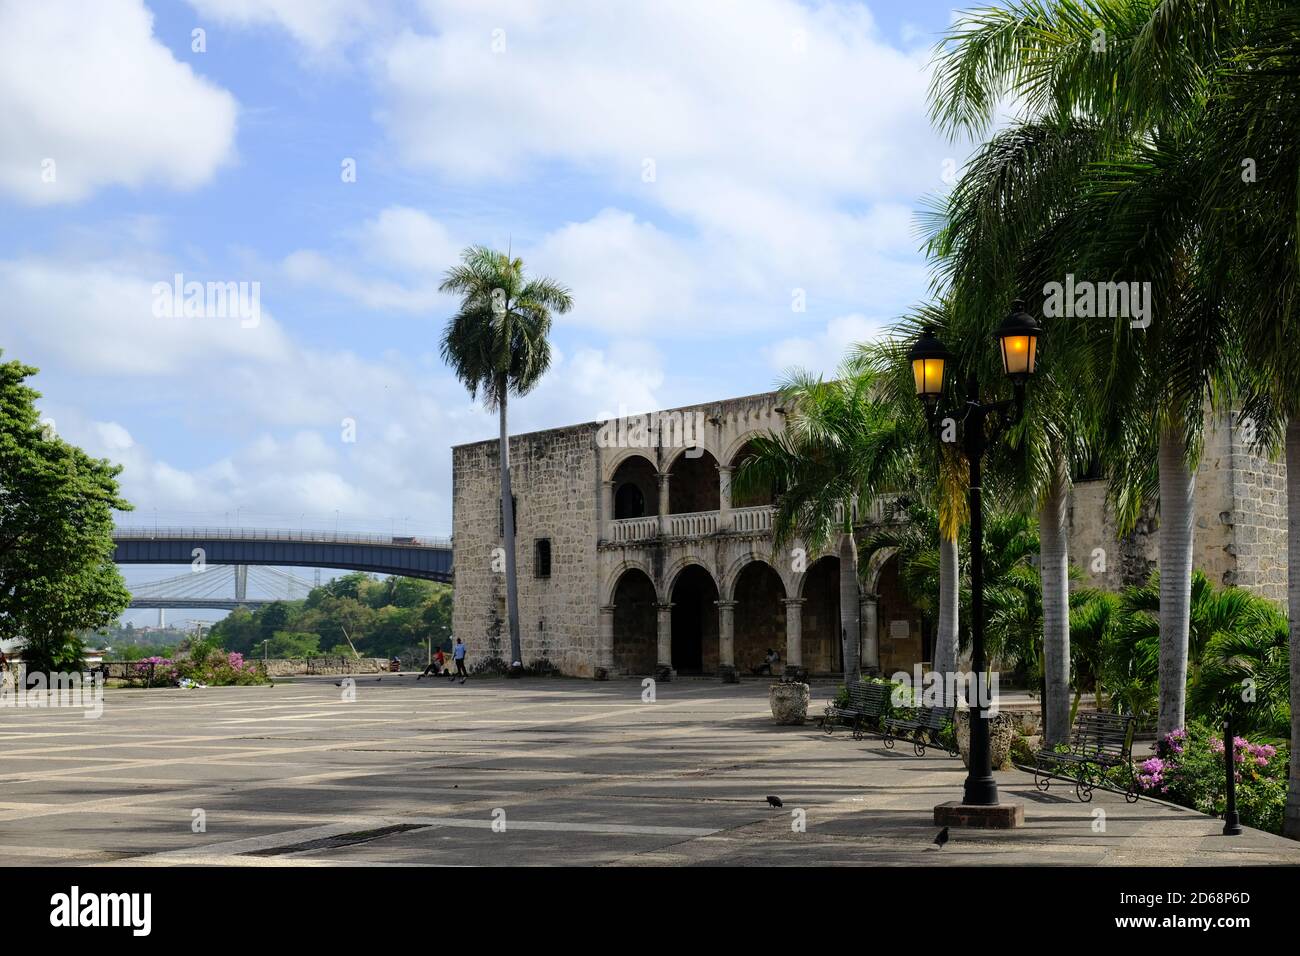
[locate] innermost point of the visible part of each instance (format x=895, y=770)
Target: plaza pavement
x=410, y=773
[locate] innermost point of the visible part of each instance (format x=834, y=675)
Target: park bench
x=867, y=702
x=930, y=727
x=1098, y=742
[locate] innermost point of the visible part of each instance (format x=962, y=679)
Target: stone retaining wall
x=298, y=666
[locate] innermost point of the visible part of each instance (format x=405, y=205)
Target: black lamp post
x=1017, y=339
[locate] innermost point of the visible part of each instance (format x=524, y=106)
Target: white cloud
x=824, y=351
x=318, y=25
x=626, y=276
x=87, y=88
x=394, y=261
x=750, y=149
x=97, y=317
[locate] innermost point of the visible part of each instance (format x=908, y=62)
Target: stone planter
x=789, y=702
x=1002, y=730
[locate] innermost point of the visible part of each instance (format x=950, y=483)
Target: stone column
x=724, y=497
x=665, y=653
x=663, y=503
x=607, y=510
x=605, y=645
x=726, y=633
x=869, y=605
x=793, y=632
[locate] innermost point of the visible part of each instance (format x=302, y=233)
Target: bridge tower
x=241, y=583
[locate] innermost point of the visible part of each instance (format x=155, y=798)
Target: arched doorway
x=759, y=615
x=906, y=638
x=755, y=498
x=636, y=628
x=822, y=653
x=693, y=484
x=695, y=621
x=636, y=488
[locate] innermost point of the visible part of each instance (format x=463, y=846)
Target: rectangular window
x=542, y=556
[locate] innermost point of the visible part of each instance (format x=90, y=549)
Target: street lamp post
x=1018, y=343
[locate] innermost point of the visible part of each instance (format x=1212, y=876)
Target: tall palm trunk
x=1177, y=496
x=849, y=632
x=945, y=637
x=1291, y=823
x=508, y=533
x=1054, y=560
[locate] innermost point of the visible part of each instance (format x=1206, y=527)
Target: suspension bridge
x=223, y=587
x=410, y=556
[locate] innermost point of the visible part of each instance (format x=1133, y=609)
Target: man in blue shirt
x=458, y=655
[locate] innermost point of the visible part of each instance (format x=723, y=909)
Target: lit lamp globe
x=1018, y=337
x=929, y=361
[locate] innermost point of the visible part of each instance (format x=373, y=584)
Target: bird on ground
x=942, y=838
x=774, y=802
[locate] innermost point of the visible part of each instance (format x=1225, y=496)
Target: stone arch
x=693, y=594
x=619, y=456
x=635, y=620
x=612, y=579
x=674, y=570
x=819, y=586
x=759, y=592
x=728, y=587
x=636, y=487
x=875, y=565
x=734, y=447
x=693, y=483
x=904, y=632
x=759, y=499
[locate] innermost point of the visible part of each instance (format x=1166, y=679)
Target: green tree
x=57, y=577
x=842, y=446
x=497, y=344
x=996, y=234
x=1144, y=88
x=947, y=495
x=1250, y=150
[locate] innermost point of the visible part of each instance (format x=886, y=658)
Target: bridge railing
x=146, y=533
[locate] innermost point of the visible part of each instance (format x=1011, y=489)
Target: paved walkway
x=580, y=772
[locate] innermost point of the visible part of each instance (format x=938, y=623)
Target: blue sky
x=688, y=167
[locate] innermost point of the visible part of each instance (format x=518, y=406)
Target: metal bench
x=1098, y=742
x=930, y=727
x=867, y=702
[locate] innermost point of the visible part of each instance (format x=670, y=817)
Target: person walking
x=458, y=655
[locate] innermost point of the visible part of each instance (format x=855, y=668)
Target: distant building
x=633, y=552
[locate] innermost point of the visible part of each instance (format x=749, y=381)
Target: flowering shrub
x=1188, y=769
x=216, y=668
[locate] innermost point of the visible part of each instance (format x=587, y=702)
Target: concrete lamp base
x=1000, y=816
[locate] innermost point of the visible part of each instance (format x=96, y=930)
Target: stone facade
x=1240, y=526
x=633, y=556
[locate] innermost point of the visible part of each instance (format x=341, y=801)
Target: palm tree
x=842, y=445
x=1143, y=88
x=888, y=358
x=1095, y=616
x=497, y=345
x=1011, y=585
x=1253, y=120
x=997, y=233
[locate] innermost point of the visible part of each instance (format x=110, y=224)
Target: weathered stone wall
x=1258, y=516
x=1240, y=523
x=553, y=477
